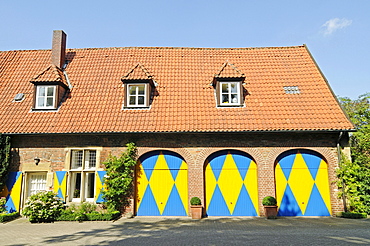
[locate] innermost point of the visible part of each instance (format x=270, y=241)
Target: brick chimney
x=58, y=51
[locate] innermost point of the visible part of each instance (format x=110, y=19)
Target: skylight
x=291, y=90
x=19, y=97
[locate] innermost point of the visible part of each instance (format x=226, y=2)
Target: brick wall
x=194, y=148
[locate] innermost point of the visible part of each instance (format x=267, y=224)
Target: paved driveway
x=184, y=231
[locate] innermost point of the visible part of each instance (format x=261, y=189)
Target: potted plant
x=270, y=206
x=196, y=208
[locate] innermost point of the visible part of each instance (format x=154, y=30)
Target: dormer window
x=228, y=84
x=50, y=86
x=45, y=97
x=139, y=86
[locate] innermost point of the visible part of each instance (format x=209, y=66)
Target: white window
x=36, y=183
x=230, y=93
x=137, y=95
x=82, y=181
x=45, y=97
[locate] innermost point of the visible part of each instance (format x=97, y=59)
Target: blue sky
x=336, y=32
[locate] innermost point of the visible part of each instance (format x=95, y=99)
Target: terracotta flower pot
x=196, y=211
x=271, y=212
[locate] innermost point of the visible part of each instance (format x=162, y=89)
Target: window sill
x=135, y=107
x=44, y=110
x=230, y=105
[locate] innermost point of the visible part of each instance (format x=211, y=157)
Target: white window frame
x=137, y=95
x=229, y=93
x=44, y=98
x=82, y=164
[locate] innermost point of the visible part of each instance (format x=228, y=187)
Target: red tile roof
x=184, y=100
x=51, y=74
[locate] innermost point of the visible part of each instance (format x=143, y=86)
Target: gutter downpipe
x=340, y=166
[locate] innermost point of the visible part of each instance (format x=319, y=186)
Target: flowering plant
x=44, y=206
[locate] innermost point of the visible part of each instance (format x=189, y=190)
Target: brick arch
x=253, y=152
x=188, y=158
x=328, y=155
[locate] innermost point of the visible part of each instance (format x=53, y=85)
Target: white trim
x=137, y=95
x=229, y=94
x=44, y=98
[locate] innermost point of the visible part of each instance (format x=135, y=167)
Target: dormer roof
x=52, y=74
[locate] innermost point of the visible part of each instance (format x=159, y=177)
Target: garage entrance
x=302, y=184
x=161, y=185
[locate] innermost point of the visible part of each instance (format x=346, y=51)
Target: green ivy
x=4, y=159
x=119, y=180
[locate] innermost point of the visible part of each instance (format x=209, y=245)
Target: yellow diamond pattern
x=322, y=183
x=250, y=182
x=298, y=176
x=211, y=183
x=281, y=184
x=180, y=182
x=161, y=183
x=141, y=184
x=230, y=182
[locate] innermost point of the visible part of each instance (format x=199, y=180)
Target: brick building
x=229, y=125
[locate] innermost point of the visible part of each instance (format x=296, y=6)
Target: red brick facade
x=264, y=148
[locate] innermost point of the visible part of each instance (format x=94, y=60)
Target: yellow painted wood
x=301, y=182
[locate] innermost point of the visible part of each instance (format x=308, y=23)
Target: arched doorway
x=302, y=184
x=231, y=184
x=161, y=185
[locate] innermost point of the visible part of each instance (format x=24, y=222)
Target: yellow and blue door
x=161, y=185
x=302, y=184
x=231, y=184
x=12, y=191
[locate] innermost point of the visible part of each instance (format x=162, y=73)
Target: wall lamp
x=37, y=160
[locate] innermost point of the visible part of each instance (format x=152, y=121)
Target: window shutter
x=60, y=184
x=12, y=191
x=99, y=186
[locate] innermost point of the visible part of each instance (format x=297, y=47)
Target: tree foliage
x=4, y=159
x=119, y=180
x=355, y=175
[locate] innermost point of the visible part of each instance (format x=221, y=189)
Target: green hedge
x=351, y=215
x=8, y=217
x=94, y=216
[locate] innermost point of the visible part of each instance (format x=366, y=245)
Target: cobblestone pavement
x=185, y=231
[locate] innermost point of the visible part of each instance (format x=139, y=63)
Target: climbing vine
x=119, y=180
x=4, y=159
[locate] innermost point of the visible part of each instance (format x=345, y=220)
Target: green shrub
x=8, y=217
x=87, y=212
x=87, y=207
x=351, y=215
x=2, y=205
x=269, y=201
x=195, y=201
x=119, y=180
x=103, y=216
x=44, y=206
